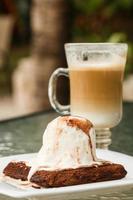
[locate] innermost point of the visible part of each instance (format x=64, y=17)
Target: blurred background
x=32, y=37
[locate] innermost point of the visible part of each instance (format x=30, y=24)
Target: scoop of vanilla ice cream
x=68, y=142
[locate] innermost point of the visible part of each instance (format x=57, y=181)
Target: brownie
x=66, y=177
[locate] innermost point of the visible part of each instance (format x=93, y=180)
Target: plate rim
x=89, y=187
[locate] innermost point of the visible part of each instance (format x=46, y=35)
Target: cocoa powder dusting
x=90, y=144
x=82, y=124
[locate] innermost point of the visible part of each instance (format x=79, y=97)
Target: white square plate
x=72, y=192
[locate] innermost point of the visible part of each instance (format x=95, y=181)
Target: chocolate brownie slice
x=66, y=177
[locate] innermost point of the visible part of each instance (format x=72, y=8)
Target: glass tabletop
x=24, y=135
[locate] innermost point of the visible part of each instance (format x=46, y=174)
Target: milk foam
x=98, y=62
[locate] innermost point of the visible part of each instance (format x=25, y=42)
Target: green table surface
x=24, y=135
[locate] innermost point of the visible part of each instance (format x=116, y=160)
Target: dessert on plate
x=67, y=157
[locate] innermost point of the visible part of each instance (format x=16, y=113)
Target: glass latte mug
x=96, y=74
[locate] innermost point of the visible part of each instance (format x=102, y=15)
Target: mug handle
x=64, y=110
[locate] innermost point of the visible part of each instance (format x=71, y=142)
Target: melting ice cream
x=68, y=142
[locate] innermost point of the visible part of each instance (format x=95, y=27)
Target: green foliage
x=90, y=6
x=87, y=6
x=117, y=37
x=104, y=21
